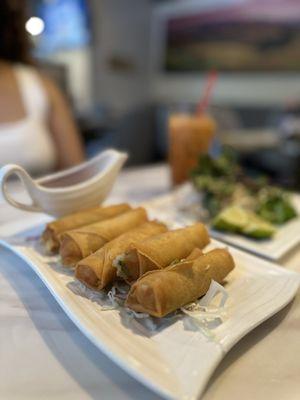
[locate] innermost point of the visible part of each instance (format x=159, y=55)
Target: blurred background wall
x=125, y=54
x=121, y=52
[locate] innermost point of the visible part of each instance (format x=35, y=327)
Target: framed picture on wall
x=241, y=36
x=253, y=44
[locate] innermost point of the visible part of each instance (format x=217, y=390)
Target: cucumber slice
x=237, y=219
x=232, y=219
x=259, y=229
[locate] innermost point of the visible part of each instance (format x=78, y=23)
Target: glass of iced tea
x=190, y=135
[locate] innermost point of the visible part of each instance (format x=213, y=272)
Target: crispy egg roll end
x=70, y=252
x=86, y=275
x=206, y=237
x=49, y=240
x=142, y=298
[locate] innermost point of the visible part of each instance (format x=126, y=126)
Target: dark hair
x=14, y=41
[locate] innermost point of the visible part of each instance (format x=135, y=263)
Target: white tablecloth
x=44, y=356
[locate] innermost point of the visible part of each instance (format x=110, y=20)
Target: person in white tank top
x=37, y=130
x=28, y=141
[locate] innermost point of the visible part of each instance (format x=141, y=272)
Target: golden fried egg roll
x=97, y=270
x=50, y=236
x=160, y=292
x=80, y=243
x=161, y=250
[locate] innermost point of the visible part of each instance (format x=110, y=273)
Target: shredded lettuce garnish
x=99, y=297
x=205, y=316
x=117, y=295
x=176, y=261
x=203, y=308
x=204, y=303
x=152, y=324
x=107, y=301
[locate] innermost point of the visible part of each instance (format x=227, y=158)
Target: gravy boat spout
x=83, y=186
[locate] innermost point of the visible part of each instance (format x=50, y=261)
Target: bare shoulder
x=50, y=86
x=60, y=106
x=56, y=97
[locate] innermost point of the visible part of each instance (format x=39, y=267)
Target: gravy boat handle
x=5, y=173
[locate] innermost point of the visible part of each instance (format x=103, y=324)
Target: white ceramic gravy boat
x=58, y=194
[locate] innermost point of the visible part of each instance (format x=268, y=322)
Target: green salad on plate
x=239, y=203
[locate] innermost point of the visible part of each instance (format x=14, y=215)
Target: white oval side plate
x=174, y=362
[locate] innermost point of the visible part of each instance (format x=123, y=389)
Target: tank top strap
x=32, y=91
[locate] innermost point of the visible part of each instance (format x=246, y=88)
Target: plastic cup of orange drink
x=189, y=136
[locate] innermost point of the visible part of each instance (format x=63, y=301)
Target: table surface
x=44, y=356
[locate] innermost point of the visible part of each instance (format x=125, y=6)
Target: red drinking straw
x=207, y=94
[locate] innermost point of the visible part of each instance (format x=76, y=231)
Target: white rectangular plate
x=285, y=239
x=175, y=362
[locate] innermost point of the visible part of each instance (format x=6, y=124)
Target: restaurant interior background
x=124, y=64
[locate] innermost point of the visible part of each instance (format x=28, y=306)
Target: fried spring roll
x=80, y=243
x=50, y=236
x=159, y=251
x=97, y=270
x=158, y=293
